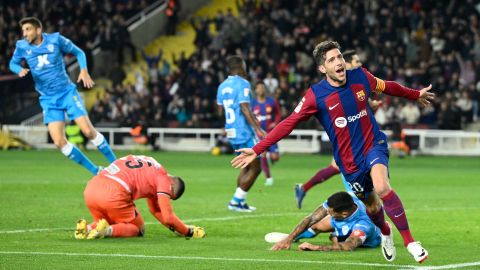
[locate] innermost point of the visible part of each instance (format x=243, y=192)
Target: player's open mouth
x=340, y=71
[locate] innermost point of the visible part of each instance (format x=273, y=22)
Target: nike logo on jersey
x=332, y=107
x=399, y=214
x=29, y=51
x=371, y=162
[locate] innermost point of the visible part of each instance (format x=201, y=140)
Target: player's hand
x=374, y=104
x=246, y=157
x=23, y=72
x=85, y=78
x=196, y=232
x=307, y=247
x=284, y=244
x=425, y=96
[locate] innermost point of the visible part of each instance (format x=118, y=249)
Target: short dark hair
x=234, y=62
x=320, y=51
x=340, y=202
x=31, y=20
x=180, y=188
x=348, y=55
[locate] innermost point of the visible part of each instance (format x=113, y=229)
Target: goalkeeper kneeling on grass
x=110, y=198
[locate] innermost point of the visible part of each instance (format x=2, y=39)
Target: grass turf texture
x=43, y=191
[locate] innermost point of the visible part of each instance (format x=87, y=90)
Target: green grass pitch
x=41, y=197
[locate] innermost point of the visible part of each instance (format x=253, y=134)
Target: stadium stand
x=411, y=43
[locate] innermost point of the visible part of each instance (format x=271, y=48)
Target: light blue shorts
x=55, y=107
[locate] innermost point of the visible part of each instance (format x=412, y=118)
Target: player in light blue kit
x=234, y=98
x=345, y=216
x=44, y=53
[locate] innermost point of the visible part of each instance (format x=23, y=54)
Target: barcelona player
x=339, y=102
x=352, y=60
x=110, y=199
x=345, y=216
x=267, y=111
x=233, y=99
x=44, y=53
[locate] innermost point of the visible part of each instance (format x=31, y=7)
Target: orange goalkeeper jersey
x=141, y=176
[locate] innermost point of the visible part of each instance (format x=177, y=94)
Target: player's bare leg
x=273, y=157
x=266, y=170
x=95, y=137
x=245, y=181
x=57, y=132
x=395, y=210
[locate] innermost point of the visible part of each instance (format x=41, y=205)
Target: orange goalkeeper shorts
x=107, y=199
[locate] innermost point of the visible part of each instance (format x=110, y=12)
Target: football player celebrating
x=339, y=102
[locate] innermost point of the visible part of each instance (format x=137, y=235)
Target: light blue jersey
x=46, y=62
x=359, y=220
x=231, y=93
x=58, y=95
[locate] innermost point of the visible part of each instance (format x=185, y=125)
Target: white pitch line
x=205, y=258
x=227, y=218
x=449, y=266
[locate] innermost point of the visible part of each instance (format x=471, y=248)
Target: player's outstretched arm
x=350, y=244
x=246, y=157
x=306, y=223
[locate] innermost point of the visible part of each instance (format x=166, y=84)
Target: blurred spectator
x=410, y=113
x=172, y=11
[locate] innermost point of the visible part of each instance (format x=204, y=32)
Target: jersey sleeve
x=244, y=94
x=305, y=108
x=67, y=46
x=390, y=87
x=360, y=230
x=219, y=97
x=163, y=185
x=16, y=60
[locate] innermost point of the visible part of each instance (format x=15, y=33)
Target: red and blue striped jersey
x=345, y=115
x=267, y=113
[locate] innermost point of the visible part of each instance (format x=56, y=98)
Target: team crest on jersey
x=268, y=109
x=361, y=95
x=50, y=47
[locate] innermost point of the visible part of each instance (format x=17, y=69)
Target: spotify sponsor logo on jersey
x=341, y=122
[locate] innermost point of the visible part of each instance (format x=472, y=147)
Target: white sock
x=98, y=139
x=240, y=194
x=67, y=149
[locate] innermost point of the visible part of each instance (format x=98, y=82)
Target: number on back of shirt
x=229, y=112
x=140, y=161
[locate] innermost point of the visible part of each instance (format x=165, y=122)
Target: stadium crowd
x=412, y=42
x=86, y=23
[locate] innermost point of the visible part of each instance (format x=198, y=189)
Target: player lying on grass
x=110, y=199
x=345, y=216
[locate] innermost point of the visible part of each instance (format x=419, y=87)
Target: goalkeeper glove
x=195, y=232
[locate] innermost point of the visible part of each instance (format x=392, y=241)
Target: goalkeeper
x=110, y=198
